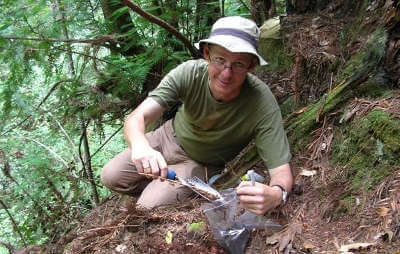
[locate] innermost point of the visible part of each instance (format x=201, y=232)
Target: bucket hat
x=236, y=34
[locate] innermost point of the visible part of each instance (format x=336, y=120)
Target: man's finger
x=249, y=199
x=162, y=166
x=139, y=166
x=154, y=167
x=145, y=163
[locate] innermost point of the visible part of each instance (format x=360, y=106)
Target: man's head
x=235, y=34
x=231, y=51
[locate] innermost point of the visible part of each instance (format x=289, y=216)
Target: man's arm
x=146, y=159
x=261, y=198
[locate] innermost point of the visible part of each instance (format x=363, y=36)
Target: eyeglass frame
x=220, y=63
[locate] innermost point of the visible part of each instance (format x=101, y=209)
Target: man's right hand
x=149, y=161
x=146, y=159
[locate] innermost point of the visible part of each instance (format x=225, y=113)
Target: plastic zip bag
x=220, y=214
x=231, y=231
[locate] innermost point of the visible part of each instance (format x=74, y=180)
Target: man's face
x=227, y=71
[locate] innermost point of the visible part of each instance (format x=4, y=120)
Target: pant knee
x=108, y=177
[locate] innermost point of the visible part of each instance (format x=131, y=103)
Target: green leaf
x=4, y=26
x=195, y=226
x=119, y=12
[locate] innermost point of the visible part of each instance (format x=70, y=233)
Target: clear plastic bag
x=231, y=231
x=221, y=217
x=250, y=221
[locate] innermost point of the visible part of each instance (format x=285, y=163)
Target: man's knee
x=159, y=193
x=109, y=177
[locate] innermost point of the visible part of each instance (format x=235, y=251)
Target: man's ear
x=206, y=51
x=253, y=65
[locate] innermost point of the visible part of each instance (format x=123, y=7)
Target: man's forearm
x=134, y=129
x=282, y=176
x=135, y=125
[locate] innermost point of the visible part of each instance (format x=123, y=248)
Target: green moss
x=352, y=31
x=386, y=129
x=276, y=54
x=369, y=148
x=288, y=106
x=373, y=90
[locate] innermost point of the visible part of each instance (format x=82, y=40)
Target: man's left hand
x=258, y=198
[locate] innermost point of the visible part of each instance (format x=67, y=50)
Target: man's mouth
x=223, y=83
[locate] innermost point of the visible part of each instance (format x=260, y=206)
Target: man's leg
x=121, y=175
x=159, y=192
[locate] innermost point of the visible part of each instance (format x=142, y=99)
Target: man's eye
x=239, y=65
x=219, y=60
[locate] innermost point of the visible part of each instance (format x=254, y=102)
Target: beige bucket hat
x=236, y=34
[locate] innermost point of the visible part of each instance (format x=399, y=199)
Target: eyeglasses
x=220, y=64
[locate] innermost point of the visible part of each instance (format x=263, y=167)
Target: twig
x=99, y=40
x=14, y=223
x=48, y=149
x=10, y=248
x=105, y=142
x=245, y=5
x=107, y=228
x=77, y=158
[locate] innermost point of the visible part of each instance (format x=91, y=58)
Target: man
x=223, y=108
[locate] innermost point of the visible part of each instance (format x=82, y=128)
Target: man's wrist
x=284, y=193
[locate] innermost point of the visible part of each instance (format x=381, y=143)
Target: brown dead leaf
x=383, y=211
x=308, y=246
x=288, y=235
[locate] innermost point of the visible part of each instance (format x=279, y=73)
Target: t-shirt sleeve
x=271, y=141
x=172, y=87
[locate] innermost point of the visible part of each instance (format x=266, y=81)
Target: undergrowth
x=368, y=148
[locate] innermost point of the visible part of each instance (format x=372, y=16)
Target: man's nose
x=227, y=70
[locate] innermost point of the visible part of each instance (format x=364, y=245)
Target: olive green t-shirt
x=213, y=132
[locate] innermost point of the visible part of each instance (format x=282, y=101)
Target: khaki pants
x=120, y=174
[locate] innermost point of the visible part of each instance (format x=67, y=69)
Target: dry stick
x=14, y=223
x=161, y=178
x=112, y=227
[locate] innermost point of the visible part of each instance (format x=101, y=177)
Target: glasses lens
x=238, y=68
x=220, y=64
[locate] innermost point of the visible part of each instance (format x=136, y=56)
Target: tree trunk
x=302, y=6
x=260, y=10
x=120, y=26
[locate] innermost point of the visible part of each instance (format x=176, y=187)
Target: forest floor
x=314, y=220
